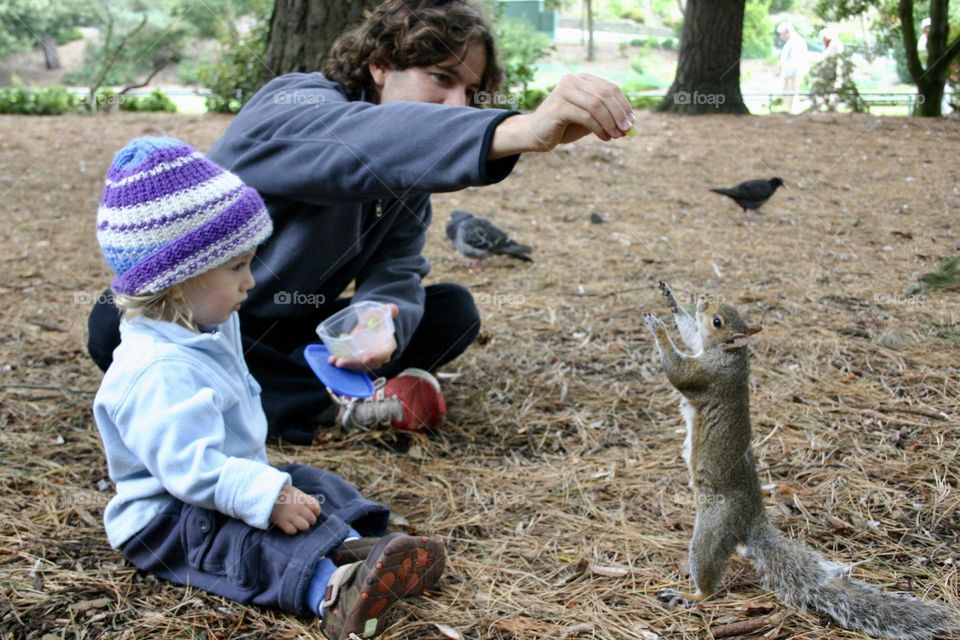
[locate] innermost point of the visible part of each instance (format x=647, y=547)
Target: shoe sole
x=399, y=566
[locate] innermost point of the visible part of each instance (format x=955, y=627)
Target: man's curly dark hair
x=400, y=34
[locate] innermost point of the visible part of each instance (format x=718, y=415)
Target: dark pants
x=293, y=398
x=210, y=551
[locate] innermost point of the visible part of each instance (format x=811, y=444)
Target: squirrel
x=713, y=382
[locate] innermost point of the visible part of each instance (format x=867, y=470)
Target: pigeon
x=752, y=193
x=478, y=238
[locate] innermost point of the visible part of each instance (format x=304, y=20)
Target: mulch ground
x=557, y=483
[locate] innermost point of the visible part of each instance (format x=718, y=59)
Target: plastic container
x=358, y=330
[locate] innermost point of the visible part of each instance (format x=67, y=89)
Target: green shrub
x=234, y=78
x=69, y=34
x=202, y=53
x=900, y=58
x=530, y=99
x=637, y=85
x=649, y=42
x=154, y=101
x=831, y=84
x=757, y=40
x=644, y=102
x=634, y=13
x=645, y=63
x=188, y=71
x=652, y=42
x=520, y=47
x=36, y=101
x=640, y=84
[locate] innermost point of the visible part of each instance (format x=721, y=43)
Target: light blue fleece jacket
x=180, y=417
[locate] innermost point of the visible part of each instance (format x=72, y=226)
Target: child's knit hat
x=169, y=214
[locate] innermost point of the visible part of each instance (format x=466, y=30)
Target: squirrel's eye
x=717, y=321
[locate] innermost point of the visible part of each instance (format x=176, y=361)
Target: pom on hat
x=169, y=214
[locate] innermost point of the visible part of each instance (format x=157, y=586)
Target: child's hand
x=295, y=510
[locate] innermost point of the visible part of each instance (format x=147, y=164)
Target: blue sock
x=321, y=576
x=318, y=584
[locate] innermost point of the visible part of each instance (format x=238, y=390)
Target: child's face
x=452, y=82
x=214, y=295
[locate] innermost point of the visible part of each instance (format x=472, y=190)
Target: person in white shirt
x=793, y=61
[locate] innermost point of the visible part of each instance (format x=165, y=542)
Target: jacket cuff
x=493, y=171
x=248, y=490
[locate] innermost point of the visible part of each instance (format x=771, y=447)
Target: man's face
x=451, y=82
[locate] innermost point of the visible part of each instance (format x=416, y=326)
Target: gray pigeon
x=752, y=193
x=478, y=238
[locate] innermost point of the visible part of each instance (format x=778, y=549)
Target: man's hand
x=373, y=360
x=579, y=105
x=295, y=510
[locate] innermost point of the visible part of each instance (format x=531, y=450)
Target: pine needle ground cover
x=557, y=482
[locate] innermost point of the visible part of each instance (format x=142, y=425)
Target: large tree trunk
x=930, y=81
x=708, y=71
x=302, y=31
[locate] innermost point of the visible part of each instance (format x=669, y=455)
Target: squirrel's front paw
x=652, y=322
x=667, y=293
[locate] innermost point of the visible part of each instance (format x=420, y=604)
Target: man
x=793, y=61
x=346, y=162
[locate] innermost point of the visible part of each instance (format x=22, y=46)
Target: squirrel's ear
x=753, y=328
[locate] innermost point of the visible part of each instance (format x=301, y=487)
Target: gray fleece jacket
x=348, y=186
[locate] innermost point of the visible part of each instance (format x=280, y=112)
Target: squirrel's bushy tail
x=806, y=580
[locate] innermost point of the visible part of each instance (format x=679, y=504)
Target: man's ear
x=754, y=328
x=378, y=74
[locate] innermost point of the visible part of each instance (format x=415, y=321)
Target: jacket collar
x=217, y=340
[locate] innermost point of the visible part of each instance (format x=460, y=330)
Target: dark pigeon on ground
x=478, y=238
x=752, y=193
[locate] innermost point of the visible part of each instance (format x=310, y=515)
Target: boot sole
x=399, y=566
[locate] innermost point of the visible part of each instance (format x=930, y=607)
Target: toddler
x=182, y=426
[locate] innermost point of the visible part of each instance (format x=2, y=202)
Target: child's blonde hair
x=167, y=305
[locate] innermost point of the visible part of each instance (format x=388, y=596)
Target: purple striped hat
x=169, y=214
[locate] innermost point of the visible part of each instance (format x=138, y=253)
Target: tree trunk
x=50, y=54
x=591, y=49
x=708, y=71
x=930, y=81
x=302, y=31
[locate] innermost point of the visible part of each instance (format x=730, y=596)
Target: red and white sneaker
x=412, y=401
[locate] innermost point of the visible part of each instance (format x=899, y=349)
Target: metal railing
x=870, y=98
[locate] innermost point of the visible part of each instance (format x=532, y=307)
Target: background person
x=793, y=62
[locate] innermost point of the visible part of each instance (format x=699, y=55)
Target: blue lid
x=342, y=382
